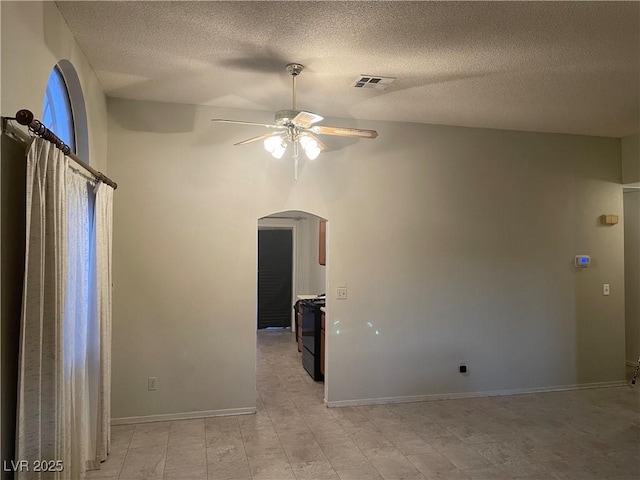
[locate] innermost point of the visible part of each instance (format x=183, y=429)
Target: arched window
x=57, y=114
x=63, y=110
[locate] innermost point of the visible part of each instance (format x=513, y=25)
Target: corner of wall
x=630, y=153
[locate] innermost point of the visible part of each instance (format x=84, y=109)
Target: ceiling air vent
x=371, y=81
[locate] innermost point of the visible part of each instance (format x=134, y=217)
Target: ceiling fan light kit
x=310, y=147
x=297, y=127
x=275, y=145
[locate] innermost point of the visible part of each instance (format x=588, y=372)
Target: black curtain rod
x=26, y=118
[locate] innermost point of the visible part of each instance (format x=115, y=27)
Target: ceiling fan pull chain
x=295, y=159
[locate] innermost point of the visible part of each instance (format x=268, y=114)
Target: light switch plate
x=152, y=383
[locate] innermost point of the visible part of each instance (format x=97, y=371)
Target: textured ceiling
x=569, y=67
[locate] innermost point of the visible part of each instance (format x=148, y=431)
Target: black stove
x=311, y=325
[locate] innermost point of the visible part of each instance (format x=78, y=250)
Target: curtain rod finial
x=24, y=117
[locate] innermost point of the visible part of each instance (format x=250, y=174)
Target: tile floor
x=586, y=434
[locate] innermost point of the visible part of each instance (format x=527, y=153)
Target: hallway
x=585, y=434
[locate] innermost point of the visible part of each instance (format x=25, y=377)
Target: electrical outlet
x=342, y=293
x=152, y=383
x=463, y=368
x=606, y=289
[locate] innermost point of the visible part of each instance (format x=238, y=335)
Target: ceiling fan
x=297, y=127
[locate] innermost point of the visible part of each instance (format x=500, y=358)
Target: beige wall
x=455, y=244
x=630, y=150
x=317, y=272
x=631, y=159
x=34, y=37
x=632, y=273
x=13, y=219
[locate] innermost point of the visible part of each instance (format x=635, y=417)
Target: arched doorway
x=292, y=266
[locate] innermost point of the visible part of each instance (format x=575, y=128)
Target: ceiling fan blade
x=255, y=139
x=306, y=119
x=240, y=122
x=344, y=132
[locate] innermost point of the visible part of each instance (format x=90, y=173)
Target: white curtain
x=78, y=328
x=63, y=405
x=41, y=413
x=103, y=226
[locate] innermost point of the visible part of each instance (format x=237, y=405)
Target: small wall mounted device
x=609, y=219
x=582, y=261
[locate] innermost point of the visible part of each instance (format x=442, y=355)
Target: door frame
x=284, y=224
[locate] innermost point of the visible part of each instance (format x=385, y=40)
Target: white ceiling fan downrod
x=294, y=70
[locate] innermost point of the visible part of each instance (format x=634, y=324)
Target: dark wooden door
x=275, y=263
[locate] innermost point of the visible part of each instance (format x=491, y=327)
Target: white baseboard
x=165, y=417
x=453, y=396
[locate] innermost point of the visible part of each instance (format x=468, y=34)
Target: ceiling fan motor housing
x=284, y=117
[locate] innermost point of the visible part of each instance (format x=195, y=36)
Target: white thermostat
x=583, y=261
